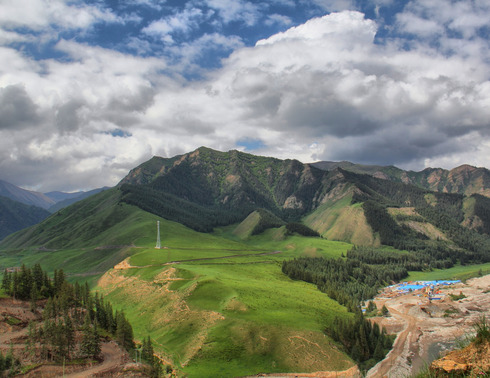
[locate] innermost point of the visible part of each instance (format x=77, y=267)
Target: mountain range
x=205, y=189
x=21, y=208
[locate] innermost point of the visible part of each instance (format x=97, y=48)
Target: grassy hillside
x=342, y=220
x=234, y=313
x=87, y=237
x=257, y=222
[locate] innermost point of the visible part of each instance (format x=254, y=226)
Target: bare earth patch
x=421, y=324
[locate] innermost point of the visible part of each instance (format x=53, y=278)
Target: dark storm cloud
x=17, y=110
x=67, y=118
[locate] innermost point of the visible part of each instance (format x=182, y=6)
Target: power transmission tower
x=159, y=245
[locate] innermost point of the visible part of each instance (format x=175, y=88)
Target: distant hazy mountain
x=62, y=196
x=20, y=208
x=15, y=216
x=70, y=198
x=25, y=196
x=51, y=201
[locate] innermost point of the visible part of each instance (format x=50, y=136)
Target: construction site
x=430, y=290
x=429, y=318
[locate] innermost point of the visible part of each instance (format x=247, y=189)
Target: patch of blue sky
x=251, y=144
x=118, y=133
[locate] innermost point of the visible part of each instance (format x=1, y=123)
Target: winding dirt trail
x=113, y=357
x=404, y=339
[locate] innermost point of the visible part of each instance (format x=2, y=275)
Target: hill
x=257, y=222
x=224, y=309
x=206, y=189
x=15, y=216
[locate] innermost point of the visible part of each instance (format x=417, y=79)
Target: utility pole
x=159, y=245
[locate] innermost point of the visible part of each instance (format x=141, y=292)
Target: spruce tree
x=124, y=331
x=384, y=311
x=378, y=351
x=147, y=350
x=90, y=344
x=6, y=281
x=34, y=296
x=69, y=334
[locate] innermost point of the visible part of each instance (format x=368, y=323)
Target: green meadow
x=226, y=309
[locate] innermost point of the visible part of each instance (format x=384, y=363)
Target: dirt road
x=14, y=317
x=421, y=325
x=113, y=357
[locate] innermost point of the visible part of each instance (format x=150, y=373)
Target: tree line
x=348, y=281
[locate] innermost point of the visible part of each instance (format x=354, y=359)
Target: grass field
x=234, y=313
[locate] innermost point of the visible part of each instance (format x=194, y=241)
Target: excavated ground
x=422, y=327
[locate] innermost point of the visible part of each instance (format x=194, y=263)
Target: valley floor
x=424, y=328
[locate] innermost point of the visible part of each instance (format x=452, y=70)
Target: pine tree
x=363, y=343
x=49, y=310
x=34, y=297
x=31, y=338
x=384, y=311
x=69, y=335
x=147, y=350
x=124, y=331
x=37, y=276
x=378, y=351
x=6, y=281
x=90, y=344
x=371, y=306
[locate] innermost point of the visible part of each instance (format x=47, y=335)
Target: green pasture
x=253, y=302
x=241, y=311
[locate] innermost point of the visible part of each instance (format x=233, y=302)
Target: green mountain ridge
x=205, y=189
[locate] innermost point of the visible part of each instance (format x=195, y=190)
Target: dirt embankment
x=423, y=326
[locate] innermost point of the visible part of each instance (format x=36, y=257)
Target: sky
x=90, y=89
